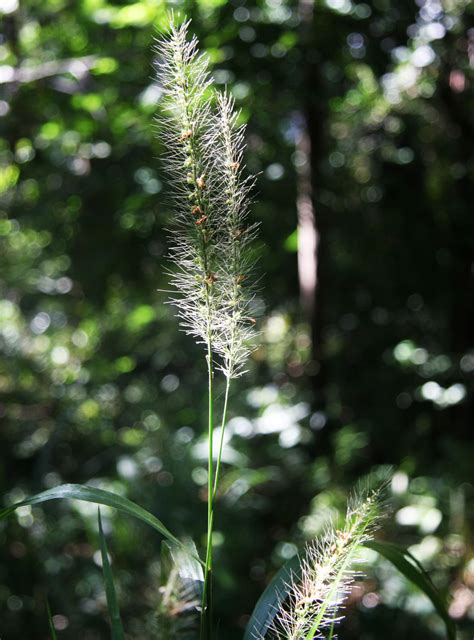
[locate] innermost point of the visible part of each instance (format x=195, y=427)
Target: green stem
x=206, y=612
x=213, y=478
x=331, y=630
x=221, y=443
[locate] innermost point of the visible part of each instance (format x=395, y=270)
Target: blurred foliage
x=98, y=386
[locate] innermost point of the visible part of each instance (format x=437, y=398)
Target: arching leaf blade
x=413, y=571
x=271, y=599
x=96, y=496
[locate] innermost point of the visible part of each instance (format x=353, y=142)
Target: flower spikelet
x=185, y=126
x=327, y=573
x=210, y=236
x=236, y=325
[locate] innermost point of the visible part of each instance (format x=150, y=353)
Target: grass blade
x=413, y=571
x=111, y=594
x=96, y=496
x=269, y=602
x=51, y=624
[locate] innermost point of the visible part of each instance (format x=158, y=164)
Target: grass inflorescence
x=210, y=238
x=327, y=570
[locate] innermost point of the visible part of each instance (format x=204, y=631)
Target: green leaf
x=409, y=566
x=51, y=625
x=96, y=496
x=269, y=602
x=112, y=603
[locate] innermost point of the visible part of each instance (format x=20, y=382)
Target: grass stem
x=206, y=612
x=221, y=442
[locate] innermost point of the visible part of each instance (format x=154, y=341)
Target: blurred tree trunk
x=309, y=148
x=453, y=90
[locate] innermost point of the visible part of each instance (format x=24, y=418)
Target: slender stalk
x=221, y=442
x=206, y=612
x=213, y=478
x=331, y=630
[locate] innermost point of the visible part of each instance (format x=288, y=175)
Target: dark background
x=359, y=118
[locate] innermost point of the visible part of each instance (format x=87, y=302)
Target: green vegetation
x=97, y=386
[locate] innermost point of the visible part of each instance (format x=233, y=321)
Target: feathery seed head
x=210, y=239
x=236, y=325
x=327, y=572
